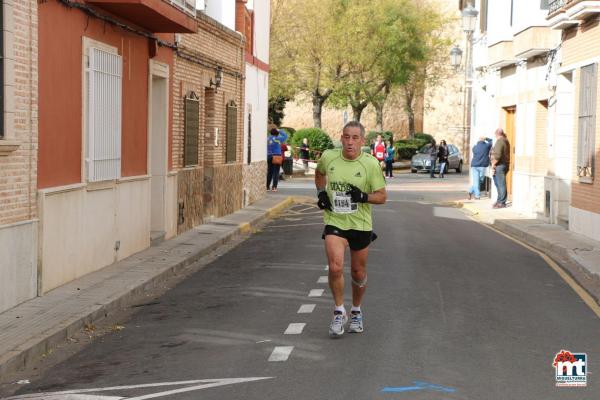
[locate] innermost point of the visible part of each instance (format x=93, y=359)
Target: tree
x=305, y=58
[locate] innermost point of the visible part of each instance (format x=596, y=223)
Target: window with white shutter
x=587, y=123
x=103, y=156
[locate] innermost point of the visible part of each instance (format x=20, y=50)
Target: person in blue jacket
x=479, y=163
x=389, y=159
x=274, y=141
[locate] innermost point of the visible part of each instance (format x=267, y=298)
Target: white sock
x=340, y=308
x=354, y=308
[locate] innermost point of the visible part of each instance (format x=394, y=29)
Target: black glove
x=357, y=195
x=324, y=203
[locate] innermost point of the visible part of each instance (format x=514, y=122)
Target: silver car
x=422, y=162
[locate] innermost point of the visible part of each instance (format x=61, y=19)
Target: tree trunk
x=318, y=100
x=410, y=112
x=357, y=111
x=379, y=116
x=317, y=111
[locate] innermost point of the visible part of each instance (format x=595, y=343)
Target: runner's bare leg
x=335, y=247
x=358, y=269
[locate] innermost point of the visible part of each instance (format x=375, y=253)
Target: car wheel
x=414, y=171
x=459, y=168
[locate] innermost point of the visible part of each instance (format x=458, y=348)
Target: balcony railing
x=555, y=5
x=188, y=6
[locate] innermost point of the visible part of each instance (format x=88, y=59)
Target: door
x=158, y=155
x=510, y=135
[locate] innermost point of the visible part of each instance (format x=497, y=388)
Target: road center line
x=306, y=308
x=294, y=328
x=323, y=279
x=281, y=353
x=316, y=293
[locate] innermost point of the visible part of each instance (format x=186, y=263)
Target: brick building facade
x=208, y=94
x=18, y=153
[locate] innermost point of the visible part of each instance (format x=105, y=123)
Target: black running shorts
x=357, y=240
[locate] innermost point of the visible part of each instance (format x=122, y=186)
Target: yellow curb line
x=581, y=292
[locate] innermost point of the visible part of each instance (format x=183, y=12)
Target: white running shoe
x=336, y=328
x=356, y=322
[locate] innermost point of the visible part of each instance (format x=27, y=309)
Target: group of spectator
x=276, y=148
x=499, y=159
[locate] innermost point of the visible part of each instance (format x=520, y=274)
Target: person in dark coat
x=442, y=156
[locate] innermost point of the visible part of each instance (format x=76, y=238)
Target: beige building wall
x=444, y=111
x=581, y=47
x=18, y=154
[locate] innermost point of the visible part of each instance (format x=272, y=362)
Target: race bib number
x=379, y=154
x=342, y=203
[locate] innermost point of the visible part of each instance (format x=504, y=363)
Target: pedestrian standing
x=442, y=157
x=479, y=163
x=274, y=156
x=500, y=166
x=433, y=155
x=348, y=181
x=304, y=156
x=389, y=159
x=379, y=150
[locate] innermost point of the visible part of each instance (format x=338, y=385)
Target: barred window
x=231, y=129
x=191, y=128
x=587, y=123
x=103, y=156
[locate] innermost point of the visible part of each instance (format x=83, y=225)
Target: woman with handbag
x=274, y=156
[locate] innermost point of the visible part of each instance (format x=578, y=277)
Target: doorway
x=510, y=135
x=158, y=127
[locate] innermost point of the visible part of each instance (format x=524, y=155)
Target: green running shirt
x=365, y=173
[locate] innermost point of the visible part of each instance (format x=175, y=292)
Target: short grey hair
x=355, y=124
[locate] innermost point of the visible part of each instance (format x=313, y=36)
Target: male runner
x=348, y=182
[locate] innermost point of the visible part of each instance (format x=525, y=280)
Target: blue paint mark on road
x=418, y=385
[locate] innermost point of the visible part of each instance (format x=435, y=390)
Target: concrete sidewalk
x=577, y=254
x=31, y=329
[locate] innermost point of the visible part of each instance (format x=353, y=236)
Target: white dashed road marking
x=294, y=329
x=281, y=353
x=316, y=293
x=323, y=279
x=306, y=308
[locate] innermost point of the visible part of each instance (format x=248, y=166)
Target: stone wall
x=222, y=189
x=190, y=198
x=254, y=177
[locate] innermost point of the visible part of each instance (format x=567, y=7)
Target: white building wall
x=499, y=27
x=527, y=13
x=257, y=102
x=87, y=227
x=221, y=10
x=262, y=17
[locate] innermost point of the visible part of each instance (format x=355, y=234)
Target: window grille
x=231, y=129
x=104, y=115
x=587, y=122
x=191, y=128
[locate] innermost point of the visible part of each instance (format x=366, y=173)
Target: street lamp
x=469, y=21
x=455, y=57
x=469, y=18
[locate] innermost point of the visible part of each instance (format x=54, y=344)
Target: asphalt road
x=453, y=310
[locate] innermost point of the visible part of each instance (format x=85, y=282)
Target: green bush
x=385, y=135
x=423, y=137
x=318, y=141
x=406, y=149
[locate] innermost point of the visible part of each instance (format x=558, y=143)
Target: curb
x=589, y=281
x=39, y=345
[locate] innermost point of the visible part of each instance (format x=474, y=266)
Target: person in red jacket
x=379, y=150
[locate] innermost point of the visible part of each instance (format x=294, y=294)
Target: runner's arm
x=377, y=197
x=320, y=180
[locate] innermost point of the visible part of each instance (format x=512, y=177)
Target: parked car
x=421, y=161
